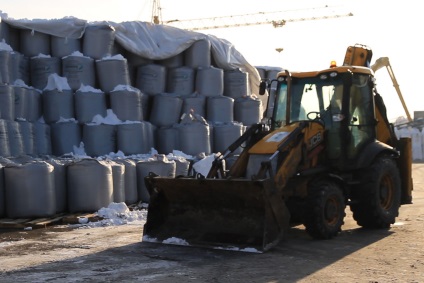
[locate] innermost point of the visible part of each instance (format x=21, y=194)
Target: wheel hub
x=386, y=192
x=331, y=211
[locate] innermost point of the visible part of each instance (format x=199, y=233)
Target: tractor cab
x=340, y=98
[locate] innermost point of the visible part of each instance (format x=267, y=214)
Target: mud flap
x=233, y=214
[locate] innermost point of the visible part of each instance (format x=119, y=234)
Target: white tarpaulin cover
x=145, y=39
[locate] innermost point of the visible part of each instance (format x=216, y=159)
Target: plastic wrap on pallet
x=19, y=67
x=4, y=32
x=4, y=65
x=111, y=72
x=236, y=83
x=220, y=109
x=89, y=102
x=90, y=185
x=43, y=141
x=195, y=104
x=99, y=139
x=21, y=103
x=127, y=103
x=150, y=133
x=7, y=102
x=33, y=43
x=131, y=37
x=135, y=61
x=248, y=110
x=167, y=139
x=146, y=104
x=166, y=110
x=79, y=70
x=161, y=166
x=28, y=137
x=210, y=81
x=175, y=61
x=29, y=189
x=182, y=166
x=57, y=94
x=118, y=180
x=151, y=79
x=34, y=104
x=130, y=180
x=16, y=143
x=153, y=42
x=131, y=138
x=180, y=80
x=65, y=135
x=198, y=54
x=41, y=67
x=4, y=139
x=60, y=183
x=117, y=48
x=98, y=40
x=57, y=104
x=64, y=46
x=194, y=136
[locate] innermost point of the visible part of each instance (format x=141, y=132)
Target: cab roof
x=339, y=69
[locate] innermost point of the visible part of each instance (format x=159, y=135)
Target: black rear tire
x=375, y=204
x=324, y=210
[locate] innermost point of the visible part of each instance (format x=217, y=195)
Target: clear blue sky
x=386, y=26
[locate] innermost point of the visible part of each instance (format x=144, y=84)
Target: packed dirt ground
x=117, y=254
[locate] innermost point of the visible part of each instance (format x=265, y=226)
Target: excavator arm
x=384, y=62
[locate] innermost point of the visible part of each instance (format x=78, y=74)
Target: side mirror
x=262, y=87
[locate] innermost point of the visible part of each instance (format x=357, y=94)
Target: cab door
x=361, y=115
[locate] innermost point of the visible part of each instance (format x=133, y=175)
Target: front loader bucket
x=233, y=214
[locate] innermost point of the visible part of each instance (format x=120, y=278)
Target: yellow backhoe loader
x=327, y=145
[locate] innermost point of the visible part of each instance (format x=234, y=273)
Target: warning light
x=333, y=64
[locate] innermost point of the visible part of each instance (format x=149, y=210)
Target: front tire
x=324, y=210
x=376, y=203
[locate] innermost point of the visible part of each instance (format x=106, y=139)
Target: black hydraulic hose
x=250, y=132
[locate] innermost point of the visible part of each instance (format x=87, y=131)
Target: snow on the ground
x=114, y=215
x=182, y=242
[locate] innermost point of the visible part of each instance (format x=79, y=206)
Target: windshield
x=311, y=98
x=347, y=114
